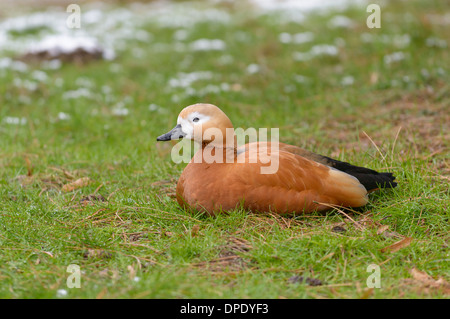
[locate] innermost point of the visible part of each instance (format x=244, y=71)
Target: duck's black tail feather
x=370, y=178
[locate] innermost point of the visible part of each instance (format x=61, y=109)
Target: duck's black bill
x=175, y=134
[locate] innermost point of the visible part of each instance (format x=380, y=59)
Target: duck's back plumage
x=370, y=178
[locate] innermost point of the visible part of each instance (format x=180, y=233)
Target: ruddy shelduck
x=222, y=176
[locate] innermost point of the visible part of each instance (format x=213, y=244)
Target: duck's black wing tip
x=369, y=178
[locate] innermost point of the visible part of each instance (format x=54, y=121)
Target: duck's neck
x=224, y=152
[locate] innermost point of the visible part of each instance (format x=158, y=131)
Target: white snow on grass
x=25, y=84
x=120, y=111
x=8, y=63
x=14, y=120
x=103, y=28
x=207, y=45
x=435, y=42
x=341, y=21
x=156, y=108
x=305, y=5
x=253, y=68
x=196, y=45
x=347, y=80
x=75, y=94
x=317, y=50
x=185, y=80
x=63, y=116
x=56, y=45
x=39, y=75
x=295, y=11
x=180, y=15
x=61, y=293
x=109, y=29
x=393, y=57
x=297, y=38
x=301, y=79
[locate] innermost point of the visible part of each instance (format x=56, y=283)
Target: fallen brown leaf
x=194, y=230
x=405, y=242
x=382, y=229
x=426, y=283
x=79, y=183
x=131, y=272
x=420, y=275
x=367, y=293
x=373, y=78
x=102, y=293
x=29, y=166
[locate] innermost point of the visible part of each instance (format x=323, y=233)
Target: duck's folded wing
x=370, y=178
x=298, y=184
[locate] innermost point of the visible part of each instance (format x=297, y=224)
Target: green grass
x=138, y=243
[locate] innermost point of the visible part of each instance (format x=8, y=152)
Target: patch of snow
x=26, y=84
x=51, y=64
x=39, y=75
x=8, y=63
x=306, y=5
x=225, y=59
x=207, y=45
x=253, y=68
x=63, y=116
x=297, y=38
x=347, y=80
x=15, y=120
x=317, y=50
x=393, y=57
x=435, y=42
x=341, y=21
x=154, y=107
x=301, y=79
x=401, y=40
x=181, y=35
x=120, y=111
x=60, y=293
x=55, y=45
x=75, y=94
x=186, y=79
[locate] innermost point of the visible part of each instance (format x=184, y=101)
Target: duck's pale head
x=202, y=123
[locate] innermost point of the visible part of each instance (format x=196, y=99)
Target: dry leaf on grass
x=367, y=293
x=79, y=183
x=131, y=272
x=405, y=242
x=382, y=229
x=29, y=166
x=420, y=275
x=194, y=230
x=426, y=284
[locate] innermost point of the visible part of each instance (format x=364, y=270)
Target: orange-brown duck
x=222, y=176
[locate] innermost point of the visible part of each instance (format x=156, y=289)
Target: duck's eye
x=195, y=119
